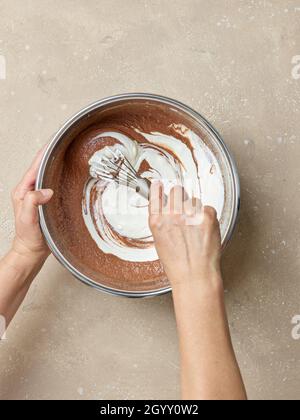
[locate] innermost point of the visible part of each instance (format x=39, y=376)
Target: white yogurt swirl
x=117, y=217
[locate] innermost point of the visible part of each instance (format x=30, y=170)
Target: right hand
x=187, y=239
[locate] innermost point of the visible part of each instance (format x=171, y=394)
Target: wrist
x=199, y=300
x=24, y=265
x=207, y=285
x=30, y=256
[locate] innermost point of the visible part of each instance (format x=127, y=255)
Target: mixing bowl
x=91, y=115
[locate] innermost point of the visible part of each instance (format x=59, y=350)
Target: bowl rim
x=109, y=101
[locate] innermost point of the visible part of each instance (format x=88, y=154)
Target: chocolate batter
x=69, y=172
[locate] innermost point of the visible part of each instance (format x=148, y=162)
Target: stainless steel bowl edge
x=107, y=101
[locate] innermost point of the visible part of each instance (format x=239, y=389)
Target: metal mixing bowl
x=88, y=116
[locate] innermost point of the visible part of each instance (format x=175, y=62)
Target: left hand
x=29, y=241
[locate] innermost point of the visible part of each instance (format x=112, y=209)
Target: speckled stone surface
x=236, y=62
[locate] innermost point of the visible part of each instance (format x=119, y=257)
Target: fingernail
x=47, y=193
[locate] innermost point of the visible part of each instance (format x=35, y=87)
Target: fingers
x=211, y=226
x=156, y=198
x=193, y=212
x=193, y=207
x=176, y=199
x=32, y=199
x=28, y=180
x=210, y=214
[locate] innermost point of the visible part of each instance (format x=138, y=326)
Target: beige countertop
x=234, y=61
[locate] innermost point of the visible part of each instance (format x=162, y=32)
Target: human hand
x=187, y=239
x=29, y=241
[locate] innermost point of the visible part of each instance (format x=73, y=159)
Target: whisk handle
x=143, y=187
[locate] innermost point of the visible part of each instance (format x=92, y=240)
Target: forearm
x=16, y=274
x=208, y=364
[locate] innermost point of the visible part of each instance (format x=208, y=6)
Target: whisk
x=118, y=169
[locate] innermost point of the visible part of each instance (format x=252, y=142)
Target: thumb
x=32, y=200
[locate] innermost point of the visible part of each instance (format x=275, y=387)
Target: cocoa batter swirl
x=103, y=229
x=117, y=217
